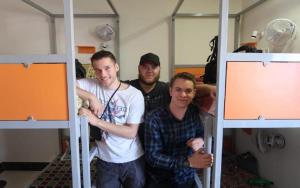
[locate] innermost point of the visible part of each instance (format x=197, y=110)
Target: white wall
x=280, y=166
x=144, y=27
x=192, y=35
x=19, y=31
x=85, y=35
x=29, y=145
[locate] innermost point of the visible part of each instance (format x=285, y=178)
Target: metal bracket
x=30, y=118
x=260, y=117
x=265, y=63
x=27, y=64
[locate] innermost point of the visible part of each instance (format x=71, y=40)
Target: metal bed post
x=218, y=129
x=85, y=152
x=73, y=124
x=117, y=30
x=172, y=41
x=208, y=122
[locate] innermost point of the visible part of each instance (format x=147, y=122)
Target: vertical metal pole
x=117, y=43
x=52, y=35
x=222, y=54
x=85, y=152
x=73, y=122
x=236, y=31
x=172, y=44
x=208, y=121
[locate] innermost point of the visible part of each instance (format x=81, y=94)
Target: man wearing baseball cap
x=156, y=93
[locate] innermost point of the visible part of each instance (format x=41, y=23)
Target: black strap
x=107, y=105
x=95, y=132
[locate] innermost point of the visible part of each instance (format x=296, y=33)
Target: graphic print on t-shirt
x=115, y=112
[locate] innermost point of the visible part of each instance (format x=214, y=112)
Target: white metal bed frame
x=72, y=123
x=69, y=58
x=219, y=123
x=223, y=58
x=209, y=120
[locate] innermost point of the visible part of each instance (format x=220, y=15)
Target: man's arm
x=154, y=147
x=205, y=98
x=127, y=130
x=94, y=103
x=156, y=158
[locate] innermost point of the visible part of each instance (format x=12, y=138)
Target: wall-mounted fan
x=105, y=33
x=279, y=33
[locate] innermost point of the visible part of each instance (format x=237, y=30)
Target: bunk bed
x=48, y=103
x=33, y=67
x=227, y=115
x=261, y=115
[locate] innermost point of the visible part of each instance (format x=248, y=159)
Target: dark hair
x=210, y=73
x=103, y=54
x=185, y=76
x=80, y=70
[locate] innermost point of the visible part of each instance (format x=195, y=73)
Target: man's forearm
x=164, y=161
x=84, y=95
x=127, y=131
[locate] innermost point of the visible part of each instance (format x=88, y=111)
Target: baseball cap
x=150, y=57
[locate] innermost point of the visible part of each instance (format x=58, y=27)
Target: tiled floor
x=18, y=179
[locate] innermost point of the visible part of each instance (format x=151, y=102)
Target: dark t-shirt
x=158, y=97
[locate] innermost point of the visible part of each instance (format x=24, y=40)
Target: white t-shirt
x=126, y=107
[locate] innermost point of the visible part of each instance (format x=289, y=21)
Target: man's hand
x=95, y=105
x=93, y=119
x=200, y=160
x=195, y=143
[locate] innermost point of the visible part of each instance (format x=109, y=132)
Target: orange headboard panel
x=197, y=71
x=271, y=91
x=39, y=91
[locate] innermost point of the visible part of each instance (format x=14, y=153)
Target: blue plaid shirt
x=165, y=143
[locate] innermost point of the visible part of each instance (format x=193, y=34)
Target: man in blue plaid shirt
x=173, y=138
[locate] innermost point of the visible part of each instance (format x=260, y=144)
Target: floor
x=18, y=179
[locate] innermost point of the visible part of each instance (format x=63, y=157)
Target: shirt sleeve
x=136, y=109
x=85, y=84
x=154, y=147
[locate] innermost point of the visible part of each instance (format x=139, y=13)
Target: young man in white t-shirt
x=120, y=161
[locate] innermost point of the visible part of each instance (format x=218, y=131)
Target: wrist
x=91, y=97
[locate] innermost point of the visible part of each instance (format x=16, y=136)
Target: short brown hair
x=185, y=76
x=103, y=54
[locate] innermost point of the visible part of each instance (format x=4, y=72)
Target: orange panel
x=271, y=91
x=39, y=91
x=197, y=71
x=86, y=49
